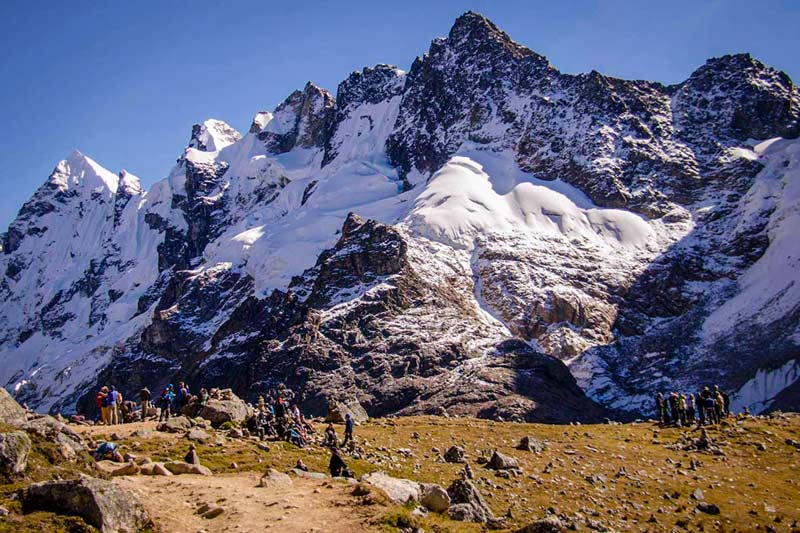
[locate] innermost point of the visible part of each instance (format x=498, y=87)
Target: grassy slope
x=753, y=488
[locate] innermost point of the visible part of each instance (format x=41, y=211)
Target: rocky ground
x=739, y=476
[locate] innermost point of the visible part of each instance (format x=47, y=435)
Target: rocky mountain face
x=481, y=235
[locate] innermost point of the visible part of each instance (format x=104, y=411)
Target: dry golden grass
x=756, y=483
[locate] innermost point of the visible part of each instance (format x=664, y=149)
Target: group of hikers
x=274, y=419
x=706, y=407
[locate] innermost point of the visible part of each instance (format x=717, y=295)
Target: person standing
x=167, y=396
x=690, y=409
x=102, y=403
x=113, y=406
x=144, y=399
x=348, y=430
x=660, y=408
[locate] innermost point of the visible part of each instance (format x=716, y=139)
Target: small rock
x=708, y=508
x=454, y=454
x=501, y=461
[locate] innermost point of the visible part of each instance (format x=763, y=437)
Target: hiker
x=701, y=408
x=690, y=409
x=308, y=428
x=166, y=403
x=183, y=397
x=295, y=436
x=100, y=402
x=673, y=407
x=726, y=403
x=719, y=404
x=296, y=416
x=144, y=399
x=280, y=409
x=264, y=426
x=300, y=465
x=348, y=430
x=660, y=411
x=331, y=439
x=337, y=466
x=107, y=451
x=203, y=398
x=262, y=404
x=191, y=456
x=709, y=405
x=682, y=409
x=113, y=406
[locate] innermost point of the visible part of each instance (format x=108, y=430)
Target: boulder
x=117, y=469
x=550, y=524
x=178, y=467
x=467, y=503
x=530, y=444
x=176, y=424
x=398, y=490
x=142, y=433
x=708, y=508
x=102, y=504
x=11, y=412
x=308, y=475
x=198, y=435
x=14, y=449
x=455, y=454
x=435, y=498
x=337, y=411
x=226, y=408
x=155, y=469
x=235, y=433
x=274, y=478
x=49, y=428
x=501, y=461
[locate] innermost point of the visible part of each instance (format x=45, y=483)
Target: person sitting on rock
x=108, y=451
x=295, y=436
x=300, y=465
x=191, y=456
x=337, y=466
x=331, y=439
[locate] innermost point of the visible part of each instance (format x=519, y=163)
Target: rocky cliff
x=473, y=235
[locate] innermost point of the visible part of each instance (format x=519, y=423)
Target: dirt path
x=306, y=505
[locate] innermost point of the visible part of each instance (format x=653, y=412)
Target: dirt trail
x=305, y=505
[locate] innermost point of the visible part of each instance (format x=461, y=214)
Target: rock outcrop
x=101, y=504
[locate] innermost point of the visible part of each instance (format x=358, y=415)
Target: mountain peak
x=213, y=135
x=473, y=31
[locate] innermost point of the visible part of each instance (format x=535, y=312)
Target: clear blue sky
x=124, y=81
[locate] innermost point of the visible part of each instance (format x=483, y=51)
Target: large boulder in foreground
x=337, y=411
x=14, y=449
x=11, y=412
x=224, y=406
x=102, y=504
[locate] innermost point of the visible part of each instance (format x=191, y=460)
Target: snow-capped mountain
x=481, y=234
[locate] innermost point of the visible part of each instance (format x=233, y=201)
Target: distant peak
x=471, y=31
x=213, y=135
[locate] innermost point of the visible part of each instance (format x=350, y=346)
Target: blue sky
x=124, y=81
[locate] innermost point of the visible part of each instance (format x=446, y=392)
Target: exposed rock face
x=11, y=412
x=301, y=121
x=338, y=411
x=14, y=449
x=509, y=217
x=101, y=504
